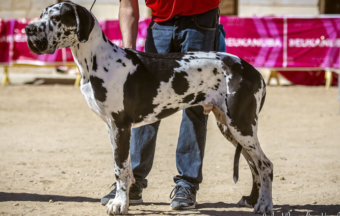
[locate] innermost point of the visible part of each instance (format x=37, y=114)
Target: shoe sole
x=184, y=207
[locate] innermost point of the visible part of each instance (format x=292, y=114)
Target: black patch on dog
x=105, y=69
x=50, y=27
x=140, y=88
x=94, y=64
x=266, y=164
x=188, y=98
x=199, y=97
x=166, y=112
x=215, y=71
x=87, y=66
x=199, y=69
x=242, y=104
x=120, y=61
x=160, y=65
x=78, y=45
x=43, y=25
x=98, y=89
x=58, y=34
x=271, y=175
x=104, y=37
x=66, y=33
x=132, y=56
x=179, y=83
x=67, y=16
x=122, y=120
x=122, y=141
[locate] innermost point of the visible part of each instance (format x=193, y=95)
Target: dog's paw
x=117, y=207
x=264, y=206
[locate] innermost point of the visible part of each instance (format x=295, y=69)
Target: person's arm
x=128, y=22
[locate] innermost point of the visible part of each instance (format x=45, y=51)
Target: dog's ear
x=81, y=18
x=85, y=23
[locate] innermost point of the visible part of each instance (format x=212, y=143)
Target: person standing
x=176, y=26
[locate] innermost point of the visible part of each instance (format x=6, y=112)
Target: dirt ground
x=53, y=147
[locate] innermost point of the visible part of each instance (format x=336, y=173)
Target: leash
x=93, y=4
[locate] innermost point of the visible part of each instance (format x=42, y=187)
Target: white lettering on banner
x=6, y=39
x=253, y=42
x=20, y=38
x=314, y=42
x=15, y=38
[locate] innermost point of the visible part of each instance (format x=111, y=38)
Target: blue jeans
x=180, y=34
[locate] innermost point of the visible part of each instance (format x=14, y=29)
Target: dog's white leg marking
x=120, y=139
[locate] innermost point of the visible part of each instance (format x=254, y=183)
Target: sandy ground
x=53, y=147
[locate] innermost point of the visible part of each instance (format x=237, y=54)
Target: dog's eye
x=55, y=18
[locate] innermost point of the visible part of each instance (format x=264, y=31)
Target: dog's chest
x=88, y=93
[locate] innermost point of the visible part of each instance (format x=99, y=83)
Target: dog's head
x=61, y=25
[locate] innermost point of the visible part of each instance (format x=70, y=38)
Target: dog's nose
x=30, y=29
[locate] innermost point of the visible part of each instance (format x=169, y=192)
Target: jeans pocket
x=205, y=22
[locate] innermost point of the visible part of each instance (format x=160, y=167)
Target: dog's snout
x=30, y=29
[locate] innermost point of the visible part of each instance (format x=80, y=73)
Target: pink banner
x=271, y=42
x=6, y=38
x=313, y=42
x=257, y=40
x=280, y=42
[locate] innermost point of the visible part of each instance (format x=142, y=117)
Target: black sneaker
x=135, y=195
x=183, y=198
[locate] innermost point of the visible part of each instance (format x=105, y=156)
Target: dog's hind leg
x=247, y=201
x=251, y=145
x=120, y=140
x=245, y=96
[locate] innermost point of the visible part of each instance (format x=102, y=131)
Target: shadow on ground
x=216, y=209
x=5, y=197
x=51, y=81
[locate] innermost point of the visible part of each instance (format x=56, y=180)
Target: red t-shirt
x=163, y=10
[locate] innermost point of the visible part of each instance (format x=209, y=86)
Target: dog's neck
x=85, y=57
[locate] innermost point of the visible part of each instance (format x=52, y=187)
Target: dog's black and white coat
x=127, y=89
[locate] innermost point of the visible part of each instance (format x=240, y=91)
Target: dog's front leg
x=120, y=139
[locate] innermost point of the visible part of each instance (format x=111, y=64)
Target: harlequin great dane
x=128, y=89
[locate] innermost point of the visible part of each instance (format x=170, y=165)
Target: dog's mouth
x=38, y=46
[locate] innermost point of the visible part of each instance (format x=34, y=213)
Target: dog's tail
x=236, y=162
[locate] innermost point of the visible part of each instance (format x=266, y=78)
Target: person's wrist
x=129, y=46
